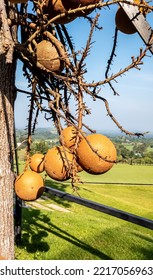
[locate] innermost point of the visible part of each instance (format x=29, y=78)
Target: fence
x=144, y=222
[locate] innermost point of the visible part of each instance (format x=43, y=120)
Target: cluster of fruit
x=53, y=8
x=94, y=153
x=50, y=53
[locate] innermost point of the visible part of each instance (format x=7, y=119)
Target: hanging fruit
x=123, y=23
x=96, y=154
x=56, y=7
x=37, y=163
x=48, y=56
x=29, y=185
x=68, y=137
x=58, y=161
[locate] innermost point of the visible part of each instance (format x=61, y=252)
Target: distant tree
x=149, y=154
x=148, y=160
x=131, y=154
x=40, y=147
x=122, y=151
x=140, y=148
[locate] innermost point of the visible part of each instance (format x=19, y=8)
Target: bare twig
x=138, y=134
x=136, y=62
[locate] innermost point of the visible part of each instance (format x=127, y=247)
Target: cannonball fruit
x=89, y=160
x=56, y=7
x=123, y=23
x=68, y=137
x=48, y=56
x=29, y=185
x=57, y=161
x=37, y=163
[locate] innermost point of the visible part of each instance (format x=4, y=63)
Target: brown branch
x=138, y=134
x=135, y=63
x=111, y=60
x=70, y=12
x=88, y=45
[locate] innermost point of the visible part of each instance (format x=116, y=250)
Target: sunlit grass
x=123, y=173
x=83, y=233
x=120, y=173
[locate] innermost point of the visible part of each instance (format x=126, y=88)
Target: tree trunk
x=7, y=73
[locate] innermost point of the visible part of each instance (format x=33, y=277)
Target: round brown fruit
x=29, y=185
x=123, y=23
x=48, y=56
x=37, y=163
x=68, y=136
x=57, y=161
x=89, y=160
x=56, y=7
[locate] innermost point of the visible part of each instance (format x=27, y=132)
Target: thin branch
x=135, y=63
x=88, y=45
x=111, y=60
x=138, y=134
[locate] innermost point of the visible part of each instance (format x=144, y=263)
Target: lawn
x=77, y=232
x=120, y=173
x=123, y=173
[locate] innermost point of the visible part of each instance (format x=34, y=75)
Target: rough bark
x=7, y=71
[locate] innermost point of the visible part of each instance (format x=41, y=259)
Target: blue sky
x=133, y=107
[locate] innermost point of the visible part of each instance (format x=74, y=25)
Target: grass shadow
x=37, y=226
x=147, y=249
x=33, y=236
x=59, y=186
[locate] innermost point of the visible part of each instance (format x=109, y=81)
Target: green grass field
x=123, y=173
x=83, y=233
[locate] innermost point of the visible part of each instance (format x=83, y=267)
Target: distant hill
x=43, y=133
x=40, y=133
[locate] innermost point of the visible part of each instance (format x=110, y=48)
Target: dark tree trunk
x=7, y=72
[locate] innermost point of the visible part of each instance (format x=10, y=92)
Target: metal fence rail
x=147, y=223
x=117, y=183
